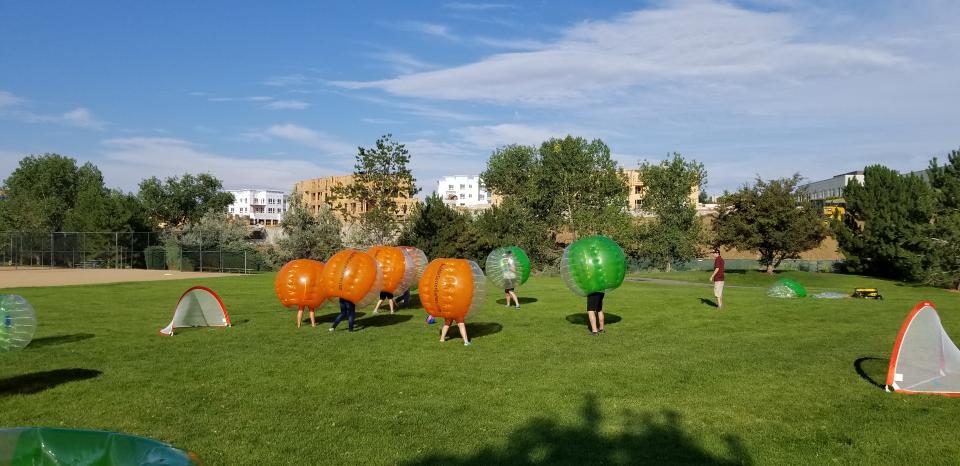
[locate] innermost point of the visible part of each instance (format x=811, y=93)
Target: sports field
x=673, y=380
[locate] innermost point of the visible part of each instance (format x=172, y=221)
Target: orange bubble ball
x=452, y=288
x=352, y=275
x=396, y=267
x=298, y=284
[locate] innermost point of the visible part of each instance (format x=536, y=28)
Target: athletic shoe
x=332, y=329
x=466, y=343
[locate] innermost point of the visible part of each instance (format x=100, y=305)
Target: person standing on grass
x=509, y=265
x=347, y=309
x=460, y=325
x=388, y=297
x=717, y=277
x=595, y=312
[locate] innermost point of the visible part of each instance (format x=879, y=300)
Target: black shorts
x=508, y=290
x=595, y=302
x=386, y=295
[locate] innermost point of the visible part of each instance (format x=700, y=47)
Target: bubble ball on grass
x=595, y=264
x=508, y=267
x=17, y=322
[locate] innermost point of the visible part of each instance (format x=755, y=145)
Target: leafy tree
x=944, y=257
x=767, y=219
x=886, y=229
x=177, y=201
x=215, y=230
x=308, y=236
x=570, y=185
x=511, y=223
x=441, y=231
x=42, y=190
x=380, y=177
x=677, y=232
x=703, y=197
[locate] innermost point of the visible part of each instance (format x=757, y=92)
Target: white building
x=259, y=206
x=829, y=189
x=463, y=191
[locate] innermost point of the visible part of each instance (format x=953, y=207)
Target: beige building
x=637, y=190
x=317, y=192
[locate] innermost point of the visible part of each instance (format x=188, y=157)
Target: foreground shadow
x=523, y=300
x=327, y=318
x=36, y=382
x=59, y=340
x=474, y=330
x=650, y=438
x=581, y=318
x=384, y=320
x=708, y=302
x=873, y=370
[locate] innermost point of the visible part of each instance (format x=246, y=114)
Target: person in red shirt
x=717, y=277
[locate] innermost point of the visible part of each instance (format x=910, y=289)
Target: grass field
x=673, y=380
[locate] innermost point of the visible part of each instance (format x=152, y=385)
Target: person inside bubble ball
x=595, y=312
x=388, y=297
x=460, y=325
x=509, y=266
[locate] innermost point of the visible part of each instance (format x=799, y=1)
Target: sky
x=262, y=94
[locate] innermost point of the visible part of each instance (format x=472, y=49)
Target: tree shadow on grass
x=873, y=370
x=523, y=300
x=581, y=318
x=36, y=382
x=383, y=320
x=648, y=438
x=474, y=330
x=59, y=340
x=326, y=318
x=708, y=302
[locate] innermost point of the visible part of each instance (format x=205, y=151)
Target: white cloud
x=431, y=29
x=403, y=63
x=81, y=118
x=287, y=80
x=8, y=100
x=682, y=43
x=381, y=121
x=255, y=98
x=491, y=137
x=287, y=105
x=468, y=6
x=129, y=160
x=307, y=137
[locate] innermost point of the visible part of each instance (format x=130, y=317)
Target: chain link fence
x=119, y=250
x=803, y=265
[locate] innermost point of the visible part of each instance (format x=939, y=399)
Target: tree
x=511, y=223
x=703, y=197
x=380, y=177
x=766, y=218
x=886, y=228
x=308, y=236
x=441, y=231
x=944, y=257
x=570, y=185
x=677, y=232
x=175, y=201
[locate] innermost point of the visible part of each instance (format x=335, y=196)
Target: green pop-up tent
x=53, y=447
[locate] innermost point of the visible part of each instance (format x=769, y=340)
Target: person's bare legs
x=390, y=301
x=515, y=299
x=508, y=298
x=592, y=315
x=463, y=332
x=600, y=318
x=313, y=317
x=443, y=331
x=720, y=302
x=377, y=307
x=299, y=315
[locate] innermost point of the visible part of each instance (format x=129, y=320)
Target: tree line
x=896, y=226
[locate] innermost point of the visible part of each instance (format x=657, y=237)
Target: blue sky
x=265, y=93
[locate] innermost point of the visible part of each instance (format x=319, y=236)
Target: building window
x=470, y=195
x=450, y=187
x=462, y=197
x=638, y=189
x=481, y=197
x=461, y=187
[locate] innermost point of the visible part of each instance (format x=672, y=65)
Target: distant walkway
x=664, y=281
x=24, y=277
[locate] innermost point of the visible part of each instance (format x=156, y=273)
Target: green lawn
x=674, y=380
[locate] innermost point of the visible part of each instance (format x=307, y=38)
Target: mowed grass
x=674, y=380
